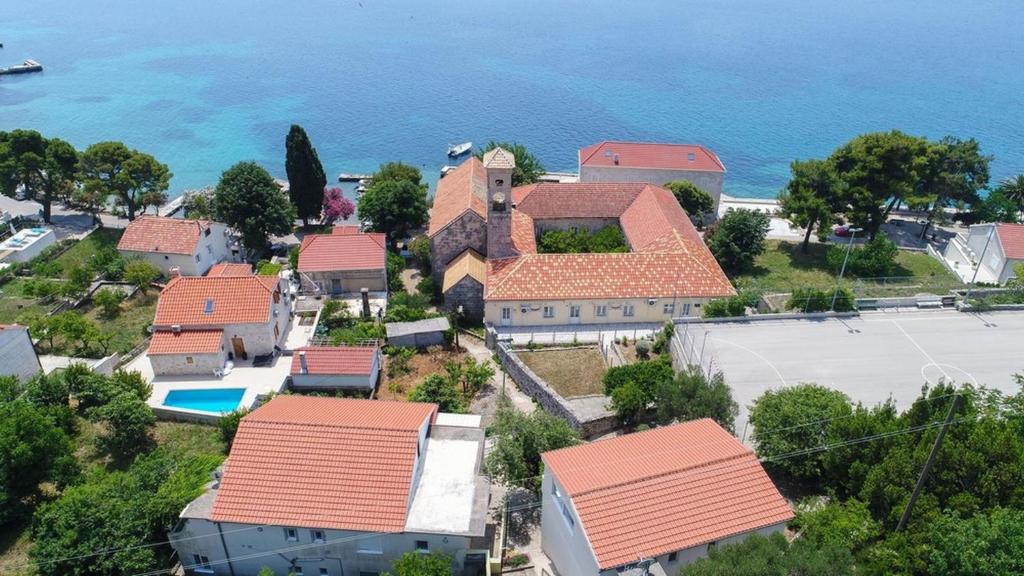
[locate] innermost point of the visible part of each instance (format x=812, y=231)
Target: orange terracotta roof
x=650, y=493
x=1011, y=236
x=345, y=230
x=228, y=269
x=331, y=463
x=335, y=360
x=549, y=200
x=463, y=189
x=186, y=342
x=336, y=252
x=524, y=239
x=611, y=276
x=206, y=301
x=651, y=155
x=163, y=235
x=469, y=263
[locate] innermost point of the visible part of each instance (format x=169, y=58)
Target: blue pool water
x=219, y=400
x=202, y=85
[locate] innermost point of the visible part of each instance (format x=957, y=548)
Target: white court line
x=926, y=355
x=763, y=359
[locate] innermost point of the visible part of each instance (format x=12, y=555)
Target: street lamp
x=835, y=293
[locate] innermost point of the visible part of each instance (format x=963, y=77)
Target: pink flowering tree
x=336, y=205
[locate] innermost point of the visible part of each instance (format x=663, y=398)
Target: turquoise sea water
x=203, y=84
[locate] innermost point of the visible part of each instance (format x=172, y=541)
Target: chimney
x=175, y=272
x=615, y=159
x=365, y=293
x=302, y=362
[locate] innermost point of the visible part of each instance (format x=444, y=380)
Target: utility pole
x=839, y=282
x=928, y=463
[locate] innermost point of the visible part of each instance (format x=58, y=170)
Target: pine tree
x=306, y=179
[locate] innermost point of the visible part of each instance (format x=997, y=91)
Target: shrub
x=738, y=239
x=815, y=300
x=398, y=361
x=419, y=247
x=441, y=391
x=395, y=264
x=695, y=202
x=660, y=345
x=109, y=301
x=227, y=425
x=430, y=288
x=129, y=423
x=293, y=258
x=643, y=349
x=875, y=259
x=518, y=441
x=725, y=308
x=606, y=239
x=141, y=273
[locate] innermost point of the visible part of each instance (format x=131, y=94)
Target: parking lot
x=870, y=358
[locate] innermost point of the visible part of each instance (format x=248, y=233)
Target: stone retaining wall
x=535, y=387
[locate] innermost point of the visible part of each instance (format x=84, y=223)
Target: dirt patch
x=572, y=372
x=628, y=352
x=421, y=365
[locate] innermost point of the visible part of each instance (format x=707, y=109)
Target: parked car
x=842, y=231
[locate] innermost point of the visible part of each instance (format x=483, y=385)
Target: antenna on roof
x=616, y=159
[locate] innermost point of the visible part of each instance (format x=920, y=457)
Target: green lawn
x=129, y=326
x=14, y=304
x=82, y=251
x=783, y=267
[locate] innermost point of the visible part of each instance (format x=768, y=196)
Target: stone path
x=486, y=402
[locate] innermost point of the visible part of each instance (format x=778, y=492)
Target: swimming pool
x=217, y=400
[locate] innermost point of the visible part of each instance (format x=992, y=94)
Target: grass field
x=129, y=325
x=13, y=304
x=783, y=267
x=574, y=372
x=83, y=250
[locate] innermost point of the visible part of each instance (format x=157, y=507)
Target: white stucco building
x=659, y=498
x=993, y=250
x=17, y=355
x=333, y=487
x=335, y=368
x=202, y=322
x=187, y=247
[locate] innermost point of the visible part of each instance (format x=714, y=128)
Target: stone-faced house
x=668, y=271
x=343, y=262
x=188, y=247
x=655, y=164
x=202, y=322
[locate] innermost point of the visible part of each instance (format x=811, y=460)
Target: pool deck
x=256, y=381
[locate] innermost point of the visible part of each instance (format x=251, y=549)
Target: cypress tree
x=306, y=179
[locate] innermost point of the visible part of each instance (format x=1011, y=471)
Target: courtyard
x=870, y=358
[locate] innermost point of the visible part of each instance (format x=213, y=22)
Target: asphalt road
x=870, y=358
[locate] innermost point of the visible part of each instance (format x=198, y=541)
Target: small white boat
x=445, y=170
x=456, y=150
x=365, y=181
x=360, y=189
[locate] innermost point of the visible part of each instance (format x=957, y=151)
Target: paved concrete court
x=870, y=358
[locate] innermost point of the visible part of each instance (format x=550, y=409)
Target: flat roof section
x=450, y=497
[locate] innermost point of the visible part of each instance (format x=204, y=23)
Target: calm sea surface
x=203, y=84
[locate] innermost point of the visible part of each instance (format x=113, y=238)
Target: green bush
x=227, y=425
x=109, y=301
x=129, y=422
x=725, y=308
x=738, y=239
x=395, y=264
x=606, y=239
x=441, y=391
x=431, y=288
x=877, y=258
x=398, y=360
x=815, y=300
x=419, y=247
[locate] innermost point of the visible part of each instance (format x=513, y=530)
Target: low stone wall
x=535, y=387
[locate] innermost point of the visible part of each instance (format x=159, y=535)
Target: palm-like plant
x=1013, y=188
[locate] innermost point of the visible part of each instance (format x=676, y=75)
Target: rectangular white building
x=185, y=247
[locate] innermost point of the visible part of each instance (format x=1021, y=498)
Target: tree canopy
x=811, y=198
x=418, y=564
x=520, y=439
x=248, y=200
x=135, y=179
x=694, y=201
x=394, y=205
x=773, y=556
x=737, y=239
x=45, y=168
x=306, y=178
x=528, y=168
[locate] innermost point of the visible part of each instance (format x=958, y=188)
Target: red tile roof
x=1011, y=236
x=651, y=155
x=335, y=360
x=463, y=189
x=331, y=463
x=345, y=230
x=163, y=235
x=228, y=269
x=549, y=200
x=337, y=252
x=231, y=299
x=186, y=342
x=650, y=493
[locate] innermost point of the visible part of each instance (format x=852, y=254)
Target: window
x=712, y=546
x=422, y=546
x=370, y=546
x=206, y=232
x=686, y=309
x=189, y=360
x=209, y=249
x=166, y=257
x=277, y=332
x=291, y=534
x=574, y=311
x=198, y=560
x=627, y=310
x=317, y=535
x=673, y=556
x=324, y=572
x=566, y=513
x=601, y=310
x=506, y=313
x=277, y=296
x=669, y=309
x=549, y=311
x=197, y=258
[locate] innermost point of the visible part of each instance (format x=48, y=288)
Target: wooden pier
x=345, y=177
